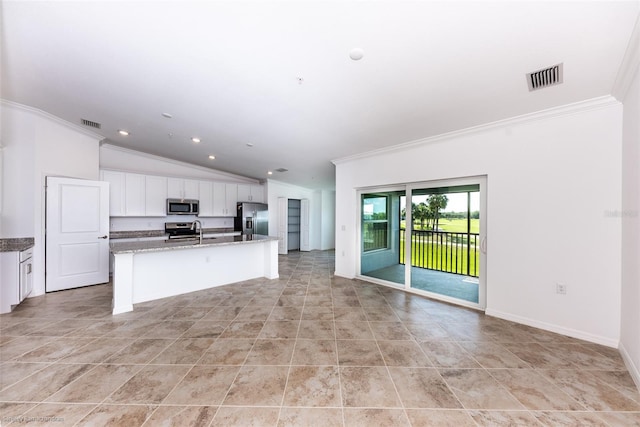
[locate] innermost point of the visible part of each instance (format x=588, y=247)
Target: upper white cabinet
x=116, y=191
x=155, y=195
x=178, y=188
x=132, y=194
x=206, y=199
x=251, y=193
x=224, y=199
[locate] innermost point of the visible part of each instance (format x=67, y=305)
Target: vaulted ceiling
x=270, y=84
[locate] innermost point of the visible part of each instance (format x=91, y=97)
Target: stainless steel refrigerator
x=252, y=218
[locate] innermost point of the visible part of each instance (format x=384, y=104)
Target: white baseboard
x=631, y=366
x=554, y=328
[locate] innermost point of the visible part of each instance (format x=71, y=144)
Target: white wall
x=630, y=213
x=553, y=183
x=38, y=145
x=321, y=209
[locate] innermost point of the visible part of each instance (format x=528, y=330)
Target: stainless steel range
x=180, y=230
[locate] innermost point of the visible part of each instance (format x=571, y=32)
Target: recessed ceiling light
x=356, y=54
x=249, y=144
x=212, y=157
x=195, y=139
x=123, y=132
x=167, y=115
x=269, y=173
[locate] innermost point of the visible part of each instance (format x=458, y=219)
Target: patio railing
x=457, y=253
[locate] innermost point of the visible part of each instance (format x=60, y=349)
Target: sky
x=457, y=202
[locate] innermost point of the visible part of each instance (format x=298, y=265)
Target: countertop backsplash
x=117, y=224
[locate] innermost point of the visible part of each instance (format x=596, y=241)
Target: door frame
x=482, y=181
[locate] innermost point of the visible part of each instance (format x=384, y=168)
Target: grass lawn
x=452, y=225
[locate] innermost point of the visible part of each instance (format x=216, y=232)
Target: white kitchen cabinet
x=116, y=182
x=206, y=198
x=155, y=195
x=224, y=199
x=179, y=188
x=134, y=194
x=250, y=193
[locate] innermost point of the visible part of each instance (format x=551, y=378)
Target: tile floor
x=305, y=350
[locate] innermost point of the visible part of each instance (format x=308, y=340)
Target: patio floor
x=439, y=282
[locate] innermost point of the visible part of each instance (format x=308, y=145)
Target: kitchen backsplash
x=130, y=223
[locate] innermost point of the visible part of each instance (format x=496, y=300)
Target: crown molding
x=43, y=114
x=564, y=110
x=630, y=65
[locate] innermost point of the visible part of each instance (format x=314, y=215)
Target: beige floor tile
x=535, y=391
x=49, y=380
x=150, y=385
x=504, y=418
x=582, y=419
x=178, y=416
x=258, y=385
x=227, y=352
x=359, y=353
x=231, y=416
x=52, y=414
x=307, y=349
x=242, y=329
x=315, y=352
x=313, y=386
x=403, y=353
x=476, y=389
x=118, y=415
x=368, y=387
x=353, y=330
x=310, y=417
x=95, y=385
x=183, y=351
x=440, y=417
x=366, y=417
x=422, y=388
x=203, y=385
x=285, y=329
x=140, y=351
x=271, y=352
x=448, y=355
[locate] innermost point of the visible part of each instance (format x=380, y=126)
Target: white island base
x=153, y=270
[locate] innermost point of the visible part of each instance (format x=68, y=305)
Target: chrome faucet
x=193, y=227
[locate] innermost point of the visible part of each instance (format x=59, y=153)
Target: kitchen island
x=150, y=270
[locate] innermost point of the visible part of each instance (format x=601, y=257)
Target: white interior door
x=282, y=226
x=304, y=226
x=77, y=233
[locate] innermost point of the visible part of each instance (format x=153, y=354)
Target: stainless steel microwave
x=182, y=207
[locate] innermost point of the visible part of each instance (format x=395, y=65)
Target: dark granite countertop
x=162, y=245
x=16, y=244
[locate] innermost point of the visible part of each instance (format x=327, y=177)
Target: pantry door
x=77, y=233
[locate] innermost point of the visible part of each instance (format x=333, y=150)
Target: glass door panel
x=381, y=240
x=445, y=241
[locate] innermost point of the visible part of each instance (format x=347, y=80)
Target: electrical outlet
x=561, y=289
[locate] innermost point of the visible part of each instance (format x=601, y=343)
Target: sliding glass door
x=381, y=241
x=427, y=238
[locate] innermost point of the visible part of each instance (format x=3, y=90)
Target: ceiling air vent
x=91, y=124
x=544, y=78
x=281, y=170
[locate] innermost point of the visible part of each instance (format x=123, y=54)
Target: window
x=375, y=222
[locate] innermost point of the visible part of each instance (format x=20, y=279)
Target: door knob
x=104, y=237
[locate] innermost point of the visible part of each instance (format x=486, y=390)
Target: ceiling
x=270, y=84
